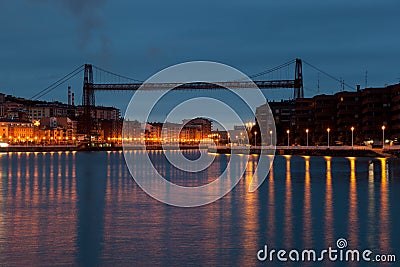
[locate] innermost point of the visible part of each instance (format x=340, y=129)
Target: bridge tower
x=88, y=101
x=298, y=80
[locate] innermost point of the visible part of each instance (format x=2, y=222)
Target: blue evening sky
x=42, y=40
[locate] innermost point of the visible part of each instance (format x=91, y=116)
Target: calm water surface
x=84, y=209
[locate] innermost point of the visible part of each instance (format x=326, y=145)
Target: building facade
x=361, y=113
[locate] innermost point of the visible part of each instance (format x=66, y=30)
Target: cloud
x=94, y=40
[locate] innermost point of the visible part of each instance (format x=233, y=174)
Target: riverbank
x=60, y=148
x=333, y=151
x=337, y=151
x=37, y=148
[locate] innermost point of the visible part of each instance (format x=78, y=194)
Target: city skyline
x=345, y=118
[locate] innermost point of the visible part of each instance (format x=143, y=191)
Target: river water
x=83, y=208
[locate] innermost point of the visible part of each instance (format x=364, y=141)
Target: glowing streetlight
x=250, y=124
x=270, y=133
x=307, y=135
x=352, y=137
x=255, y=138
x=328, y=130
x=288, y=137
x=383, y=136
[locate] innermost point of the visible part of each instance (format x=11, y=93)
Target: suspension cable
x=57, y=83
x=329, y=75
x=273, y=69
x=115, y=74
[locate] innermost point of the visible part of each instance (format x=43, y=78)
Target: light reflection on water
x=84, y=208
x=328, y=220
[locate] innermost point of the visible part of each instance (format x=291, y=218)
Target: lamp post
x=307, y=136
x=255, y=138
x=383, y=136
x=288, y=137
x=352, y=137
x=270, y=133
x=328, y=130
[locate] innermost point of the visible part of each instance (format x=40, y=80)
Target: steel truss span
x=193, y=86
x=89, y=87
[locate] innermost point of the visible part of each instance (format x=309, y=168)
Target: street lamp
x=307, y=135
x=352, y=137
x=250, y=124
x=328, y=130
x=288, y=137
x=270, y=132
x=255, y=138
x=383, y=136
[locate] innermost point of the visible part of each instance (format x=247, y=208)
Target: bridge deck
x=195, y=85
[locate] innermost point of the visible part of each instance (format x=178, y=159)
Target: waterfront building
x=348, y=116
x=2, y=110
x=191, y=134
x=171, y=132
x=13, y=110
x=394, y=126
x=67, y=126
x=100, y=113
x=219, y=137
x=110, y=130
x=16, y=131
x=283, y=113
x=375, y=112
x=55, y=109
x=366, y=110
x=3, y=113
x=153, y=133
x=265, y=120
x=4, y=130
x=324, y=118
x=304, y=119
x=239, y=134
x=203, y=125
x=133, y=130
